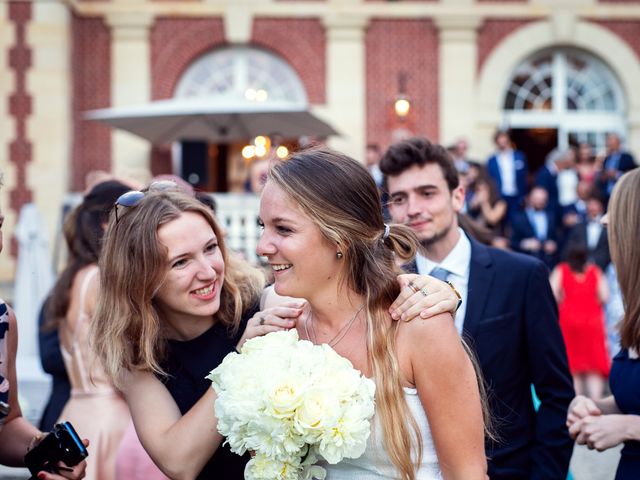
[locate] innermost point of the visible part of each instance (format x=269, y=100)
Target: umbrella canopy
x=34, y=279
x=212, y=120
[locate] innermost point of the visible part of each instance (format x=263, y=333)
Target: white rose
x=319, y=410
x=285, y=397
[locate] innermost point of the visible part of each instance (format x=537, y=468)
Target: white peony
x=288, y=400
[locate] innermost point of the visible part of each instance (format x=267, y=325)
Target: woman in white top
x=325, y=239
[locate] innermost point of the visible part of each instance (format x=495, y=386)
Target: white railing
x=237, y=214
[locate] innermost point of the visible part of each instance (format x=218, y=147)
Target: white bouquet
x=290, y=401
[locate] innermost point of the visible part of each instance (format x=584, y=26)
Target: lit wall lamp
x=402, y=105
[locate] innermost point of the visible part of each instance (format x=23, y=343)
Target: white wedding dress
x=375, y=463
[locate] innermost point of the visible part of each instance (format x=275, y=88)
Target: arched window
x=567, y=90
x=240, y=75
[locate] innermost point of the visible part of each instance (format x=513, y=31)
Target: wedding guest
x=606, y=423
x=508, y=314
x=174, y=302
x=586, y=164
x=616, y=163
x=70, y=308
x=591, y=234
x=580, y=288
x=508, y=168
x=325, y=239
x=533, y=231
x=17, y=435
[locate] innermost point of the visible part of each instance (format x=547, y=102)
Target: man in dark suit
x=508, y=168
x=591, y=235
x=508, y=314
x=616, y=163
x=533, y=231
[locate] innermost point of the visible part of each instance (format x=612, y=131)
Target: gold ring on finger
x=413, y=287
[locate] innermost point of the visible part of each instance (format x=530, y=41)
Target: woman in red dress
x=581, y=290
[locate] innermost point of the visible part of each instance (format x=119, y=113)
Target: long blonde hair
x=128, y=331
x=623, y=231
x=342, y=199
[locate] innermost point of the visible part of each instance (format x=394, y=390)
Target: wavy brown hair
x=624, y=231
x=128, y=332
x=83, y=233
x=340, y=196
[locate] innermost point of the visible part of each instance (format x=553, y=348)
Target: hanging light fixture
x=402, y=105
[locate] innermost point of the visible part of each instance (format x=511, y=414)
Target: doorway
x=536, y=143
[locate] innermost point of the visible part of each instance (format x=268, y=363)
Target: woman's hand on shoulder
x=422, y=296
x=274, y=319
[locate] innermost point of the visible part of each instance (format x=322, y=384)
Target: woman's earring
x=339, y=255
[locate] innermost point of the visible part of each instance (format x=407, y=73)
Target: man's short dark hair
x=418, y=151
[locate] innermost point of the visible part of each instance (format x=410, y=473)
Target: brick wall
x=628, y=31
x=175, y=43
x=492, y=32
x=394, y=47
x=91, y=83
x=301, y=42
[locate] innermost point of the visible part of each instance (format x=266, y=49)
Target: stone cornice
x=405, y=10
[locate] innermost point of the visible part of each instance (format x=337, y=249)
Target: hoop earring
x=339, y=255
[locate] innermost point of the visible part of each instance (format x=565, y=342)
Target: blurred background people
x=534, y=231
x=608, y=422
x=590, y=234
x=95, y=407
x=616, y=163
x=586, y=164
x=581, y=289
x=17, y=435
x=509, y=169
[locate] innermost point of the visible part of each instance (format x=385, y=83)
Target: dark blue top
x=624, y=380
x=187, y=363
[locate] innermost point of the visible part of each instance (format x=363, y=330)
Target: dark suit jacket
x=52, y=363
x=521, y=172
x=522, y=228
x=598, y=255
x=511, y=323
x=625, y=163
x=548, y=180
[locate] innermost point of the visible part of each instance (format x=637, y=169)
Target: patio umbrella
x=212, y=120
x=34, y=278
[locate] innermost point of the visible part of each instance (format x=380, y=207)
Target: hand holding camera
x=62, y=444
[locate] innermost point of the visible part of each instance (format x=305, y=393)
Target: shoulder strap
x=86, y=281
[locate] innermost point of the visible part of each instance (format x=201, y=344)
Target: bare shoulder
x=428, y=339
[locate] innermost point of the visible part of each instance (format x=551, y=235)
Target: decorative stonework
x=20, y=148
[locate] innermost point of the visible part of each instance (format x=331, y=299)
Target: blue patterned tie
x=440, y=273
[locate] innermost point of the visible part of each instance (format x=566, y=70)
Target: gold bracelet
x=457, y=294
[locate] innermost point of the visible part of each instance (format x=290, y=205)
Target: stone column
x=457, y=74
x=50, y=122
x=345, y=82
x=130, y=85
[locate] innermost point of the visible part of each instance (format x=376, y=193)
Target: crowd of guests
x=553, y=214
x=151, y=301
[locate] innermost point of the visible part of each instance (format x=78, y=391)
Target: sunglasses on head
x=133, y=197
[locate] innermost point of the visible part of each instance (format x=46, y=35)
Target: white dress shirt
x=594, y=228
x=507, y=167
x=458, y=264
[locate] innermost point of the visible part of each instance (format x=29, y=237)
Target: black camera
x=62, y=444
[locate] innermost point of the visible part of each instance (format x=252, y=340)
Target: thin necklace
x=338, y=337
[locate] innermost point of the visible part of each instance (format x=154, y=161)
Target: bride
x=326, y=242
